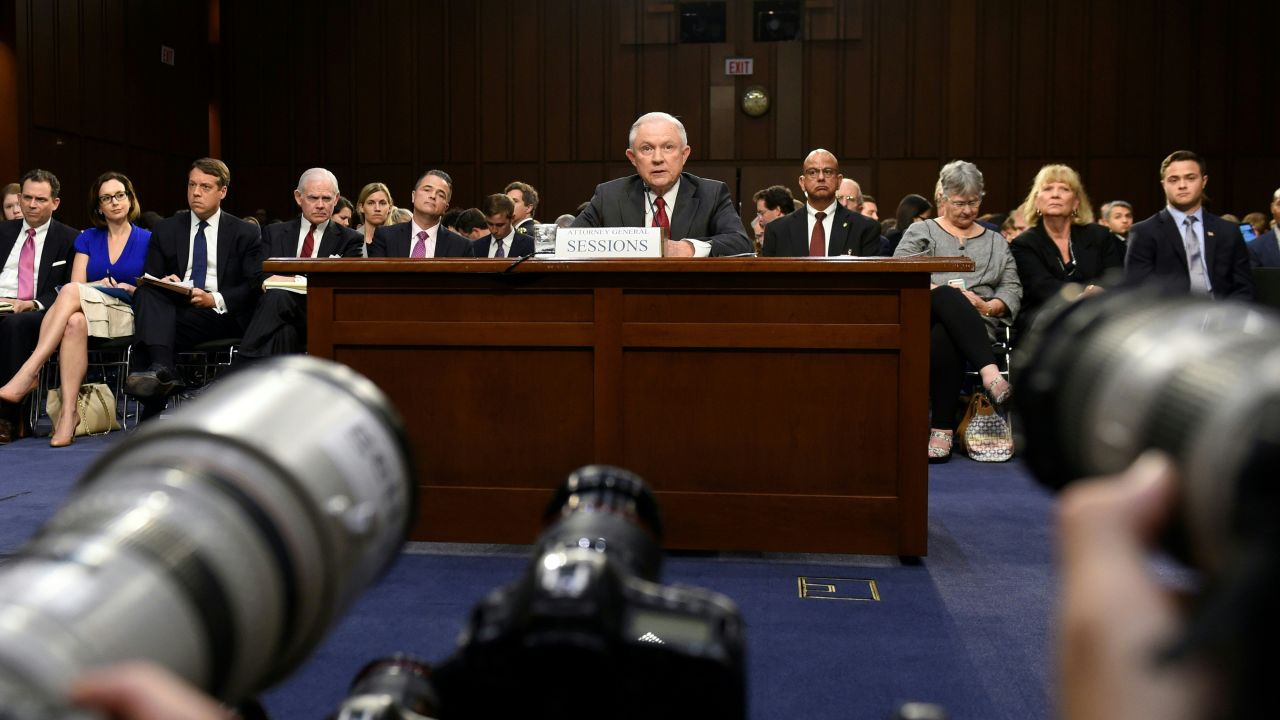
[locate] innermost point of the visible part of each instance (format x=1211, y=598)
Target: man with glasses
x=697, y=214
x=217, y=257
x=279, y=323
x=825, y=227
x=37, y=252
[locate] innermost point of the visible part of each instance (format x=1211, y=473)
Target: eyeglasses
x=118, y=197
x=824, y=172
x=964, y=204
x=846, y=198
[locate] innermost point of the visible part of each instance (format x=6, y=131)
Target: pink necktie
x=27, y=267
x=420, y=247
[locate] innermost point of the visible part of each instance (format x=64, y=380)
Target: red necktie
x=309, y=242
x=660, y=216
x=818, y=241
x=27, y=267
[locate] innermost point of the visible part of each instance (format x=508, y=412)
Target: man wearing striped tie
x=1185, y=247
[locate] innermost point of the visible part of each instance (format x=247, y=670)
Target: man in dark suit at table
x=423, y=236
x=220, y=257
x=698, y=214
x=1184, y=247
x=279, y=323
x=37, y=252
x=502, y=240
x=825, y=227
x=1265, y=249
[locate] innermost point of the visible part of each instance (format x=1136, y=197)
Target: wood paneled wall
x=545, y=91
x=94, y=95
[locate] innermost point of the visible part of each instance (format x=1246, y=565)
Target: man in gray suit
x=698, y=214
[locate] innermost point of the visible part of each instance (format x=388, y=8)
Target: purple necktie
x=27, y=267
x=420, y=247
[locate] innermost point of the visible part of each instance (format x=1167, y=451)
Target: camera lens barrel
x=221, y=543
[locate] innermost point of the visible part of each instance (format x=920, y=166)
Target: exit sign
x=739, y=66
x=166, y=55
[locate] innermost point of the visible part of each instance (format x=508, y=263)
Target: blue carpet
x=968, y=627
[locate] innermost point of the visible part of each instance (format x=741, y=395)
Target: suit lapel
x=183, y=254
x=47, y=254
x=328, y=243
x=224, y=250
x=401, y=237
x=1210, y=244
x=632, y=211
x=839, y=243
x=799, y=232
x=686, y=209
x=286, y=243
x=1173, y=236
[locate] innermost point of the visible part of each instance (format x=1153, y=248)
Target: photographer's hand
x=1115, y=617
x=141, y=691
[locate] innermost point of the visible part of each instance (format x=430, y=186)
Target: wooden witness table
x=773, y=404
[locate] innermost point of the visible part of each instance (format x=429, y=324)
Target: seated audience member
x=375, y=205
x=279, y=322
x=502, y=240
x=825, y=227
x=1231, y=218
x=1184, y=247
x=1257, y=221
x=184, y=249
x=472, y=224
x=870, y=208
x=96, y=303
x=1264, y=251
x=525, y=198
x=1063, y=244
x=148, y=219
x=12, y=202
x=423, y=236
x=911, y=209
x=698, y=214
x=1014, y=225
x=343, y=212
x=36, y=253
x=849, y=195
x=565, y=220
x=1117, y=216
x=399, y=215
x=965, y=307
x=450, y=219
x=771, y=203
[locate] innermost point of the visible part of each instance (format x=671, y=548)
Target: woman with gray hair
x=965, y=308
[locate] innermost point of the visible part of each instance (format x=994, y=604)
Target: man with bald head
x=849, y=194
x=825, y=227
x=698, y=214
x=279, y=323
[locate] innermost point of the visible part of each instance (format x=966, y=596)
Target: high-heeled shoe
x=55, y=442
x=940, y=445
x=999, y=390
x=16, y=398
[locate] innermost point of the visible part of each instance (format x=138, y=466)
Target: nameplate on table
x=616, y=242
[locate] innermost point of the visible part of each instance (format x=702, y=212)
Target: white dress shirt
x=828, y=222
x=211, y=271
x=9, y=276
x=701, y=248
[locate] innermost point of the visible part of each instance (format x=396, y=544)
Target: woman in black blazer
x=1062, y=244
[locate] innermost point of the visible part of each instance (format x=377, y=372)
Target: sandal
x=1000, y=390
x=940, y=445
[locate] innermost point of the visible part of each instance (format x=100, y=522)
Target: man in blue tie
x=216, y=258
x=1183, y=246
x=503, y=239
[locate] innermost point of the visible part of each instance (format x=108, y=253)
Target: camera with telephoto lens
x=221, y=543
x=588, y=631
x=1106, y=378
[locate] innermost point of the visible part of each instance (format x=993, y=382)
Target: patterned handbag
x=984, y=435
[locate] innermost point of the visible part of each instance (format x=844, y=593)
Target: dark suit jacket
x=59, y=247
x=525, y=227
x=393, y=241
x=1156, y=252
x=239, y=258
x=704, y=211
x=521, y=245
x=280, y=240
x=1263, y=251
x=1042, y=271
x=851, y=234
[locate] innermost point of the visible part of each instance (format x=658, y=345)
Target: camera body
x=588, y=630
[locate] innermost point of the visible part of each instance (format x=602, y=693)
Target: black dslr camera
x=587, y=631
x=1106, y=378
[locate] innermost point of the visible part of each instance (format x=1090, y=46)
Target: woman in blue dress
x=96, y=303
